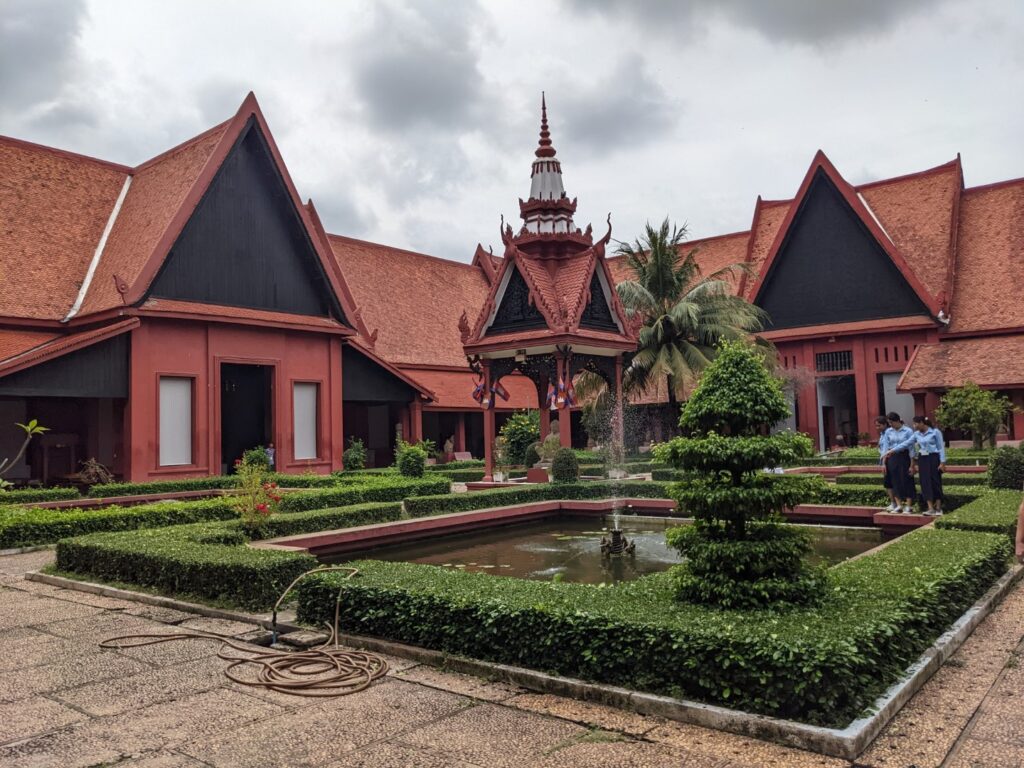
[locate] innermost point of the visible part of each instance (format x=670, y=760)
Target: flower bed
x=821, y=665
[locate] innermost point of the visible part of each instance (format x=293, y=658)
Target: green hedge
x=375, y=488
x=210, y=560
x=469, y=475
x=37, y=495
x=857, y=461
x=996, y=512
x=24, y=527
x=424, y=506
x=875, y=495
x=214, y=482
x=822, y=665
x=980, y=479
x=464, y=464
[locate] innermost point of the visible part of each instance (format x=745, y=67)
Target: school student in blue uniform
x=882, y=424
x=929, y=454
x=897, y=462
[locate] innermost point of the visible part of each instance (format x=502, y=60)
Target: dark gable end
x=362, y=380
x=830, y=269
x=100, y=370
x=245, y=245
x=516, y=313
x=597, y=316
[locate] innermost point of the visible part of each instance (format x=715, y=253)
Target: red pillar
x=809, y=397
x=488, y=427
x=545, y=411
x=415, y=420
x=919, y=404
x=1017, y=417
x=565, y=415
x=460, y=432
x=862, y=387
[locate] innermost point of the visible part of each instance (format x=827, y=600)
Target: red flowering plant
x=257, y=497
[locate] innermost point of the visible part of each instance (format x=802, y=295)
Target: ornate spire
x=544, y=149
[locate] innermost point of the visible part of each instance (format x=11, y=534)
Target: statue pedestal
x=537, y=475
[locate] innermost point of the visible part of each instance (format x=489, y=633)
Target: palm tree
x=684, y=313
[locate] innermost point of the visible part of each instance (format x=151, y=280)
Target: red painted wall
x=872, y=354
x=196, y=349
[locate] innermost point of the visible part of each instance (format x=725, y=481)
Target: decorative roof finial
x=544, y=149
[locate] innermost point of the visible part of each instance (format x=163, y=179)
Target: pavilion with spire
x=552, y=310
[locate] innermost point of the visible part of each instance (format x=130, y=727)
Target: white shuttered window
x=305, y=399
x=175, y=421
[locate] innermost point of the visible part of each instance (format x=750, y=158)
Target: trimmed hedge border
x=24, y=527
x=948, y=479
x=211, y=483
x=822, y=665
x=210, y=560
x=37, y=495
x=875, y=495
x=996, y=512
x=866, y=461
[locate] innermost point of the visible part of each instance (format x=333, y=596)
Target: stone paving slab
x=494, y=736
x=29, y=717
x=391, y=755
x=67, y=672
x=454, y=682
x=587, y=713
x=27, y=647
x=318, y=736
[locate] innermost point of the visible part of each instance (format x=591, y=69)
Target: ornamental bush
x=1006, y=468
x=411, y=460
x=520, y=432
x=532, y=455
x=738, y=552
x=564, y=467
x=354, y=457
x=979, y=411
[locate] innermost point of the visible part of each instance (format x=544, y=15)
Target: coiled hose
x=326, y=670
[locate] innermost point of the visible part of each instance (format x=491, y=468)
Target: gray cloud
x=340, y=215
x=792, y=21
x=37, y=49
x=418, y=67
x=626, y=109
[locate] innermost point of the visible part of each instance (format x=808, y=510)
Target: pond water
x=570, y=546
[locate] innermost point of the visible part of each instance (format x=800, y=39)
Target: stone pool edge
x=845, y=743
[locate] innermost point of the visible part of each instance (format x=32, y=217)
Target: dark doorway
x=245, y=410
x=837, y=412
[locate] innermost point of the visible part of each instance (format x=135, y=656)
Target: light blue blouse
x=884, y=441
x=925, y=443
x=901, y=439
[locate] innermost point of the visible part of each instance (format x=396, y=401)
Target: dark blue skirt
x=931, y=477
x=899, y=475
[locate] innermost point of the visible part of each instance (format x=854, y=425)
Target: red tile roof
x=157, y=192
x=56, y=346
x=53, y=208
x=988, y=283
x=990, y=361
x=16, y=341
x=412, y=300
x=454, y=389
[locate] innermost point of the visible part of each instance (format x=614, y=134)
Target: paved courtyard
x=65, y=702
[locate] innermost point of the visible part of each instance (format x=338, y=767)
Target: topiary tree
x=738, y=551
x=411, y=460
x=973, y=409
x=565, y=467
x=1006, y=468
x=532, y=455
x=520, y=432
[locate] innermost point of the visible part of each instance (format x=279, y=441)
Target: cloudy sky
x=413, y=123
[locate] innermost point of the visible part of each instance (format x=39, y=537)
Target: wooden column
x=1017, y=417
x=415, y=420
x=564, y=414
x=488, y=427
x=862, y=386
x=809, y=397
x=545, y=411
x=460, y=432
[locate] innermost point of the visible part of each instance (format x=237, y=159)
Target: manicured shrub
x=1006, y=468
x=23, y=527
x=995, y=512
x=973, y=409
x=461, y=464
x=37, y=495
x=532, y=455
x=257, y=457
x=874, y=495
x=519, y=432
x=410, y=460
x=972, y=480
x=564, y=467
x=214, y=482
x=468, y=475
x=368, y=489
x=736, y=506
x=354, y=457
x=821, y=665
